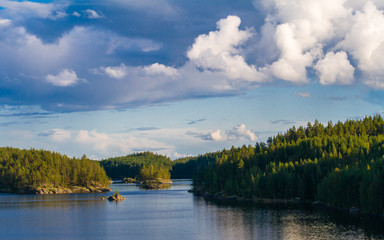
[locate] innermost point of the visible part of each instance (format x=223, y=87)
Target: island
x=44, y=172
x=116, y=197
x=150, y=170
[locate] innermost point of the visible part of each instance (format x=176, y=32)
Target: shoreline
x=47, y=190
x=220, y=197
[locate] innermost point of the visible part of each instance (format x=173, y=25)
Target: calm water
x=168, y=214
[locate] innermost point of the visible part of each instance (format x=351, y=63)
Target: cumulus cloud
x=335, y=68
x=65, y=78
x=364, y=40
x=218, y=51
x=239, y=132
x=293, y=62
x=157, y=68
x=306, y=30
x=301, y=28
x=215, y=135
x=336, y=39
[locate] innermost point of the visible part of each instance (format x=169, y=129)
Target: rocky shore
x=43, y=190
x=150, y=184
x=156, y=184
x=222, y=197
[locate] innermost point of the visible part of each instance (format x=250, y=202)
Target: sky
x=180, y=77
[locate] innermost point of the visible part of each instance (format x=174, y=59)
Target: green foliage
x=143, y=166
x=188, y=167
x=341, y=165
x=34, y=168
x=150, y=172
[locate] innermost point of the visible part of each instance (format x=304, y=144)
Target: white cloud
x=335, y=68
x=293, y=62
x=28, y=8
x=59, y=135
x=5, y=22
x=177, y=155
x=116, y=72
x=239, y=132
x=39, y=58
x=76, y=14
x=215, y=135
x=302, y=28
x=303, y=94
x=65, y=78
x=331, y=37
x=153, y=70
x=99, y=141
x=365, y=42
x=103, y=144
x=92, y=14
x=344, y=29
x=218, y=51
x=157, y=68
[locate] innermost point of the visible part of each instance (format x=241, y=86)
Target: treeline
x=142, y=166
x=188, y=167
x=35, y=168
x=341, y=165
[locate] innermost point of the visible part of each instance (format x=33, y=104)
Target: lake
x=171, y=213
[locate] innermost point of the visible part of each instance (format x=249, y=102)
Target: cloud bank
x=104, y=144
x=328, y=42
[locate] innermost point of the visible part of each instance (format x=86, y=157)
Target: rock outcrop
x=43, y=190
x=116, y=197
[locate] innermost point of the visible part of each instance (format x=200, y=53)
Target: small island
x=116, y=197
x=150, y=170
x=44, y=172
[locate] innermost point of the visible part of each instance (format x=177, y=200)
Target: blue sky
x=178, y=77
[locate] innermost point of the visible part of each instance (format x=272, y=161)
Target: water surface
x=169, y=214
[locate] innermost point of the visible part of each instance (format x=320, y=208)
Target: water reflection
x=44, y=217
x=172, y=214
x=266, y=222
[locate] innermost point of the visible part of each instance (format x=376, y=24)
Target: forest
x=141, y=166
x=20, y=169
x=341, y=165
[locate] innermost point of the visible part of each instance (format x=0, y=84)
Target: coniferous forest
x=20, y=169
x=341, y=165
x=142, y=166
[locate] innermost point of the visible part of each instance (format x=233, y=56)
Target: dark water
x=172, y=214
